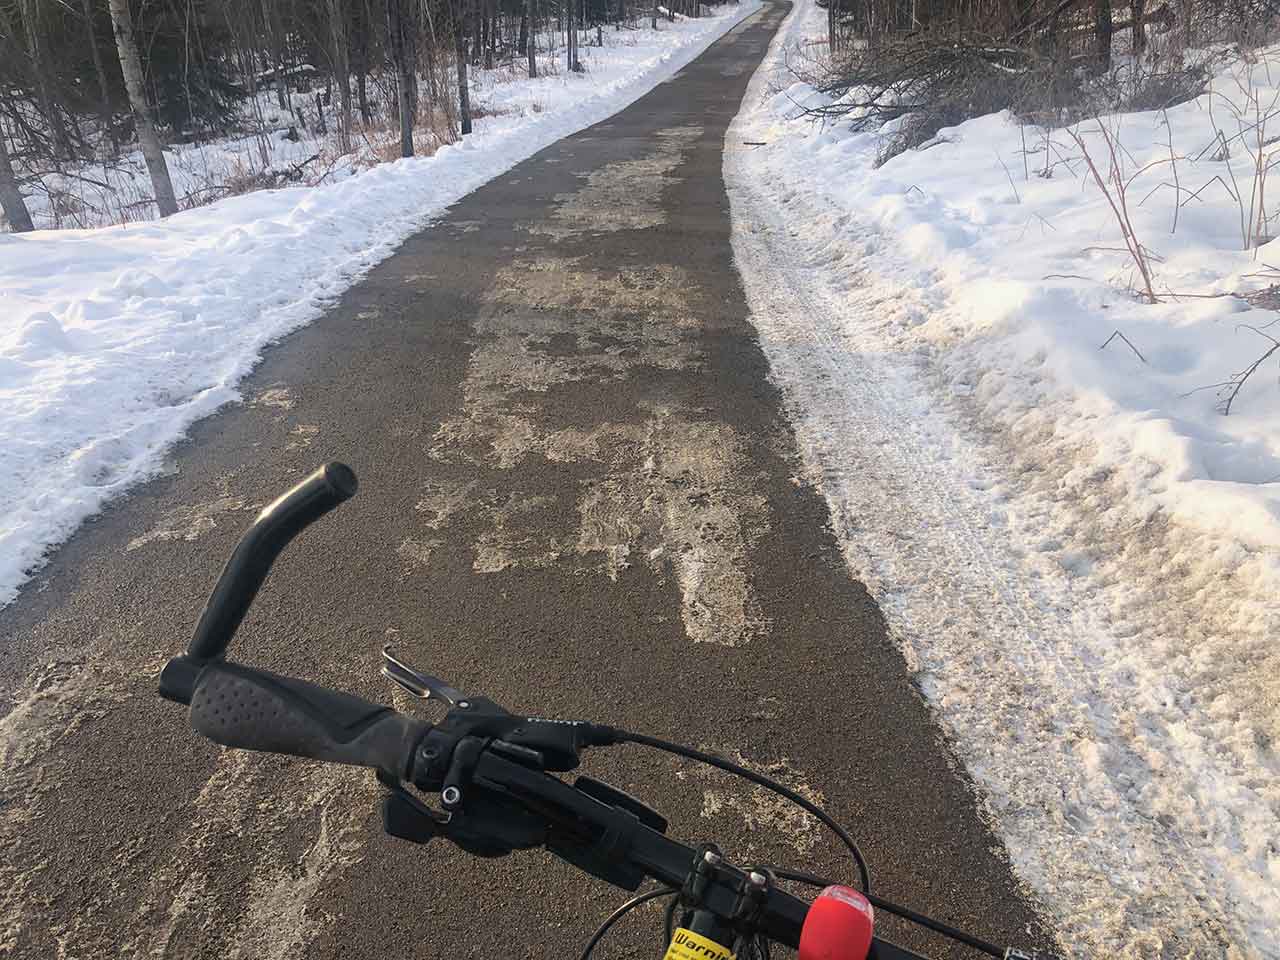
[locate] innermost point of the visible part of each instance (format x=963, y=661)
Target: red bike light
x=838, y=926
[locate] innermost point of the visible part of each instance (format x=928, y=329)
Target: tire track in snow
x=1056, y=715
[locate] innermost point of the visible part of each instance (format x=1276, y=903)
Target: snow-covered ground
x=113, y=341
x=1078, y=552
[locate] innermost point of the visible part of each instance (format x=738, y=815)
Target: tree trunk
x=104, y=91
x=37, y=57
x=1139, y=32
x=1102, y=33
x=397, y=30
x=275, y=28
x=11, y=202
x=358, y=45
x=530, y=50
x=464, y=92
x=362, y=96
x=654, y=24
x=571, y=47
x=410, y=52
x=486, y=34
x=131, y=67
x=341, y=71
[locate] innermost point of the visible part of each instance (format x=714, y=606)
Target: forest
x=87, y=82
x=93, y=93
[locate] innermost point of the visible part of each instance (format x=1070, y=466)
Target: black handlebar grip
x=250, y=709
x=258, y=548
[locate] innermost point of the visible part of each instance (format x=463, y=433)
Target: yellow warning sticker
x=687, y=945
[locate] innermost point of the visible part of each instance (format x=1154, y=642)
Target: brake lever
x=418, y=684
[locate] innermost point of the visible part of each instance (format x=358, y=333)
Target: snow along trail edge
x=1139, y=812
x=115, y=341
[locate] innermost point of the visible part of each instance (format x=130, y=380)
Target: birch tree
x=131, y=67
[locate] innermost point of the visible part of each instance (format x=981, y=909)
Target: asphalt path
x=580, y=495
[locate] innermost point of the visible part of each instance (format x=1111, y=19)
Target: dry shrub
x=440, y=123
x=1114, y=186
x=427, y=139
x=1160, y=89
x=67, y=210
x=915, y=131
x=481, y=110
x=928, y=81
x=387, y=149
x=927, y=85
x=243, y=178
x=1043, y=63
x=1249, y=116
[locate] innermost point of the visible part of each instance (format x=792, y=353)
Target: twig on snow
x=1017, y=199
x=1237, y=382
x=1117, y=333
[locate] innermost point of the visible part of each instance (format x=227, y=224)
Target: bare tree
x=104, y=91
x=38, y=61
x=131, y=67
x=341, y=70
x=571, y=28
x=11, y=202
x=530, y=31
x=400, y=37
x=1103, y=28
x=464, y=91
x=275, y=40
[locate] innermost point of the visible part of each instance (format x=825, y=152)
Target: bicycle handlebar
x=277, y=524
x=238, y=706
x=503, y=762
x=587, y=824
x=242, y=577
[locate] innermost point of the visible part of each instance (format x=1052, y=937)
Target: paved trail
x=579, y=495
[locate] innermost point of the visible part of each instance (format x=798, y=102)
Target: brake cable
x=621, y=912
x=864, y=873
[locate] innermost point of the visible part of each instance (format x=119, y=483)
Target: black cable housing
x=621, y=912
x=864, y=873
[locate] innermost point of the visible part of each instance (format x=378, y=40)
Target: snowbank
x=1077, y=550
x=1028, y=279
x=113, y=341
